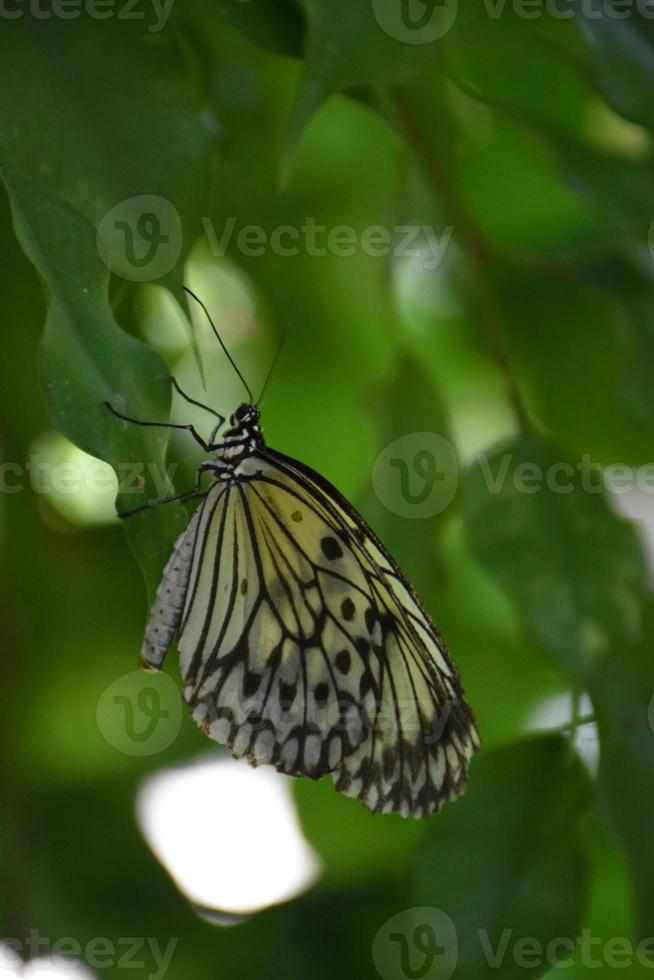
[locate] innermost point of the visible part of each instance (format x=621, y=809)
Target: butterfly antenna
x=272, y=366
x=219, y=339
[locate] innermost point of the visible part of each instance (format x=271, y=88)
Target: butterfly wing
x=422, y=732
x=303, y=645
x=255, y=639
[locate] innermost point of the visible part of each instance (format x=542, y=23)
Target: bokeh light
x=228, y=834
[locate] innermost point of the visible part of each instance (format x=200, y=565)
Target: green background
x=524, y=130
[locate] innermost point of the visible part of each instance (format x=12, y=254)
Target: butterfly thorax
x=240, y=441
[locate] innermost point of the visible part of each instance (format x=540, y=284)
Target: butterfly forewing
x=303, y=646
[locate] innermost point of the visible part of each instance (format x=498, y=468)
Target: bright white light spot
x=228, y=834
x=43, y=968
x=556, y=713
x=79, y=487
x=59, y=969
x=10, y=963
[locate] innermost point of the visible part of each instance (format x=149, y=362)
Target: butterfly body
x=239, y=442
x=302, y=644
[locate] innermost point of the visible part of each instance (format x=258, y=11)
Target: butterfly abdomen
x=166, y=612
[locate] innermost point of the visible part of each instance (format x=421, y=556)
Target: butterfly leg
x=160, y=425
x=214, y=432
x=187, y=495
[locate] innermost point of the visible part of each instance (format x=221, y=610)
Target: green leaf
x=86, y=359
x=276, y=25
x=529, y=73
x=638, y=379
x=548, y=319
x=622, y=187
x=353, y=43
x=134, y=136
x=623, y=56
x=506, y=861
x=543, y=529
x=622, y=693
x=507, y=177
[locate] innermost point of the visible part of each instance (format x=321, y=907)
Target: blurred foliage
x=518, y=142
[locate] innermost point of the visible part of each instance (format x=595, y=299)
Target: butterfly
x=302, y=644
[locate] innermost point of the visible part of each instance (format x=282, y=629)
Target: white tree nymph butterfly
x=303, y=646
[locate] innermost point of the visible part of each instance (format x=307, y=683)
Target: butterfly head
x=245, y=416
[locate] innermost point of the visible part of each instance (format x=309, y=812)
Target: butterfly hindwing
x=420, y=741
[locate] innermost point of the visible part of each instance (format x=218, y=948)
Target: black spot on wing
x=362, y=645
x=348, y=609
x=331, y=549
x=321, y=694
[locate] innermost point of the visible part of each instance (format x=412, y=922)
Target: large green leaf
x=624, y=56
x=356, y=42
x=116, y=120
x=506, y=863
x=87, y=358
x=579, y=398
x=543, y=529
x=530, y=73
